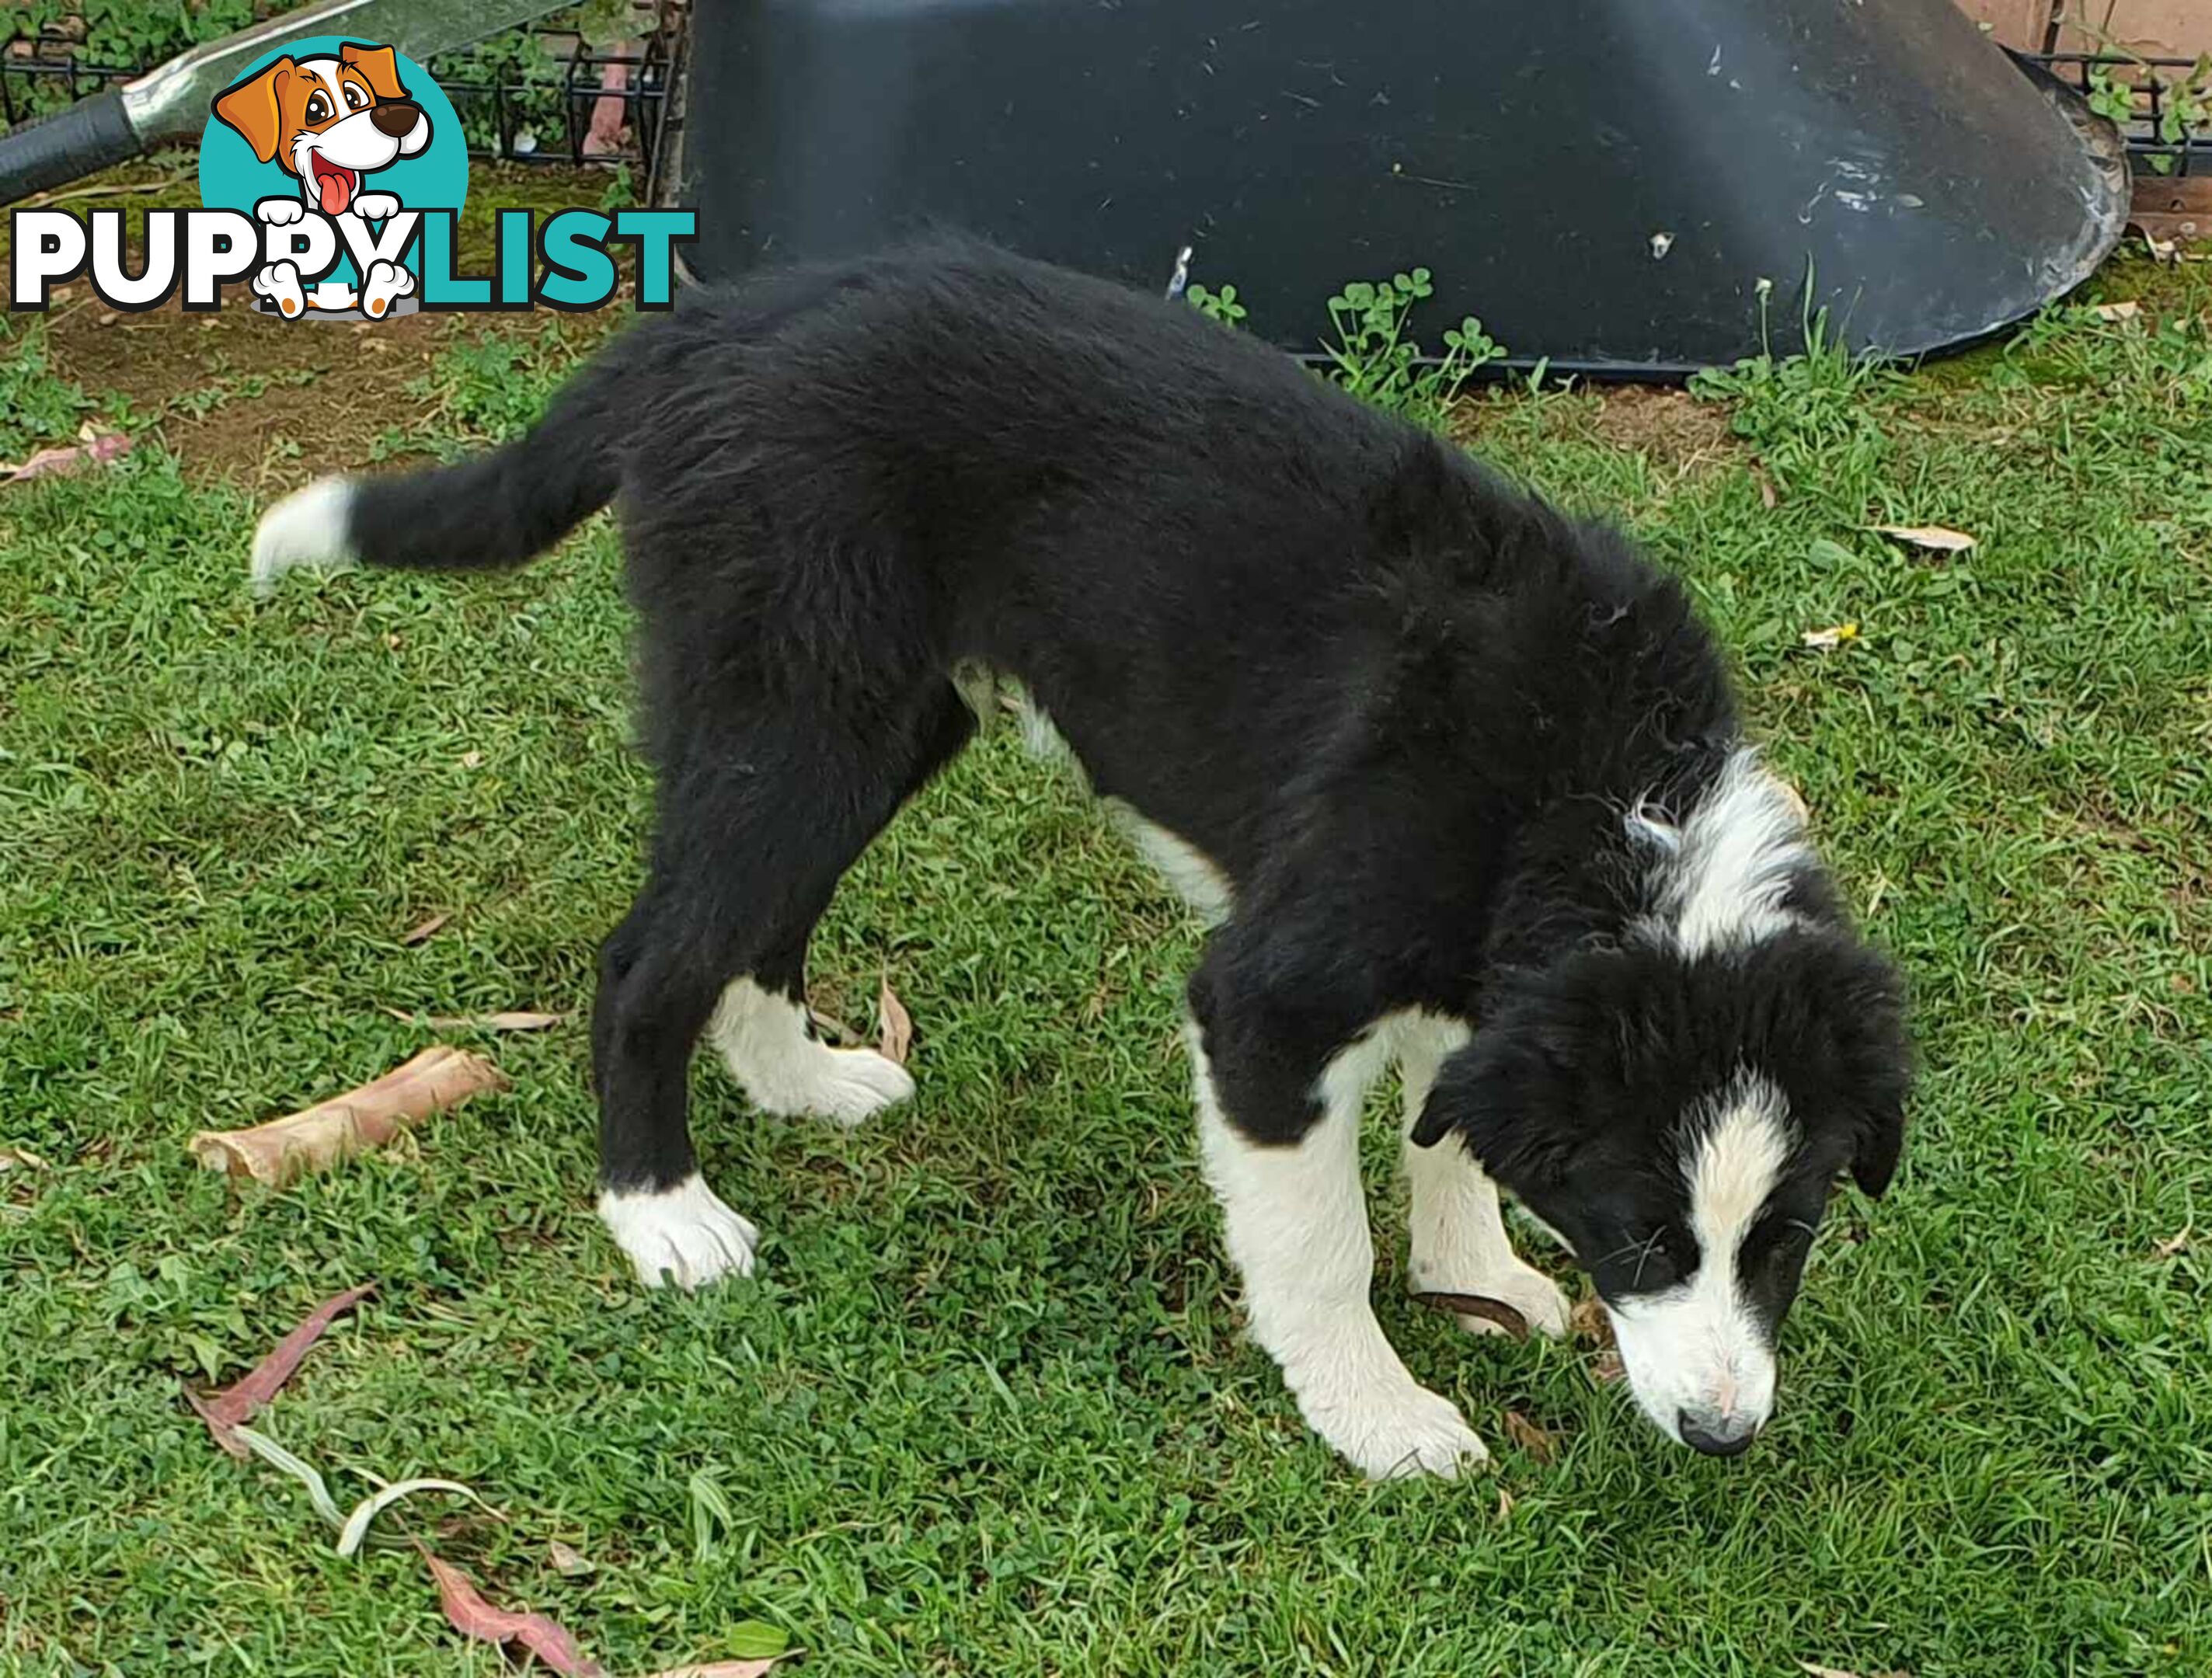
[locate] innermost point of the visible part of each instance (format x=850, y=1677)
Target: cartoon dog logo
x=331, y=121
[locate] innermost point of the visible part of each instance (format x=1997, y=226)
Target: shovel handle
x=70, y=144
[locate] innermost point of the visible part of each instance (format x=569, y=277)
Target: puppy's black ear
x=1873, y=1050
x=1873, y=1162
x=1500, y=1097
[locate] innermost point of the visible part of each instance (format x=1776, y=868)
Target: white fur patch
x=309, y=529
x=1698, y=1348
x=763, y=1041
x=1457, y=1239
x=1723, y=874
x=1297, y=1230
x=1189, y=870
x=684, y=1234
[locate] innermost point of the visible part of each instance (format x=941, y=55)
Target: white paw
x=280, y=212
x=279, y=281
x=763, y=1037
x=1542, y=1302
x=386, y=281
x=1398, y=1433
x=375, y=206
x=852, y=1085
x=684, y=1234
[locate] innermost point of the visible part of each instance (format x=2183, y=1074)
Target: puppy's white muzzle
x=1700, y=1367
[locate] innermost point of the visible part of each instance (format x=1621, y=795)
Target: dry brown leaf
x=22, y=1159
x=239, y=1402
x=2127, y=311
x=415, y=935
x=752, y=1668
x=1606, y=1368
x=1589, y=1320
x=895, y=1033
x=1830, y=638
x=472, y=1616
x=508, y=1020
x=1937, y=539
x=1536, y=1440
x=1505, y=1503
x=2174, y=1244
x=1768, y=498
x=1819, y=1671
x=284, y=1150
x=569, y=1562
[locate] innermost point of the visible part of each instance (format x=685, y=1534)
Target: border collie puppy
x=1459, y=781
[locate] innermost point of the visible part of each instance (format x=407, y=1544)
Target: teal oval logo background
x=436, y=177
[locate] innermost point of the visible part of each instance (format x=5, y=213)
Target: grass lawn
x=986, y=1408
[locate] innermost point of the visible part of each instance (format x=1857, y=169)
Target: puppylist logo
x=333, y=173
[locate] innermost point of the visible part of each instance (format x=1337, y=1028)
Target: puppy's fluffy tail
x=489, y=513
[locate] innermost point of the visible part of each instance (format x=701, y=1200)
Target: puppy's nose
x=396, y=116
x=1715, y=1434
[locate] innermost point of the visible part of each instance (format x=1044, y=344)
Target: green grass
x=986, y=1408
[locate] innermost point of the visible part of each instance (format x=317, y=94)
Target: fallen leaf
x=2127, y=311
x=470, y=760
x=366, y=1512
x=1606, y=1368
x=98, y=450
x=284, y=1150
x=1937, y=539
x=569, y=1562
x=238, y=1401
x=2174, y=1244
x=1532, y=1439
x=509, y=1020
x=1829, y=639
x=1818, y=1671
x=20, y=1159
x=1589, y=1320
x=1768, y=498
x=1505, y=1503
x=1475, y=1305
x=721, y=1669
x=895, y=1031
x=471, y=1616
x=415, y=935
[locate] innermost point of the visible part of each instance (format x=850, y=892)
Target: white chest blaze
x=1722, y=878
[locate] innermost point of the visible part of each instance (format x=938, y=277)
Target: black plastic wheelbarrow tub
x=1606, y=183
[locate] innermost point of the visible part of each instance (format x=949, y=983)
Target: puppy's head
x=1680, y=1123
x=329, y=120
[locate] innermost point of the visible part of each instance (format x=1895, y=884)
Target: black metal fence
x=2147, y=87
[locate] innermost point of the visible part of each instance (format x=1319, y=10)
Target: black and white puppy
x=1459, y=781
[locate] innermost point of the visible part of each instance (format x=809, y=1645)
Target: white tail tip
x=309, y=528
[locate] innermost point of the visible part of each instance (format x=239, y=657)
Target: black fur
x=1402, y=706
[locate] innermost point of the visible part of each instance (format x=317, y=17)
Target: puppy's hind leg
x=1459, y=1243
x=761, y=1025
x=757, y=821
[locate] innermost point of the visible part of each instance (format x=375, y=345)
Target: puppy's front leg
x=1297, y=1230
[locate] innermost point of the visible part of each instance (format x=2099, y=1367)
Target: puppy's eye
x=355, y=98
x=318, y=107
